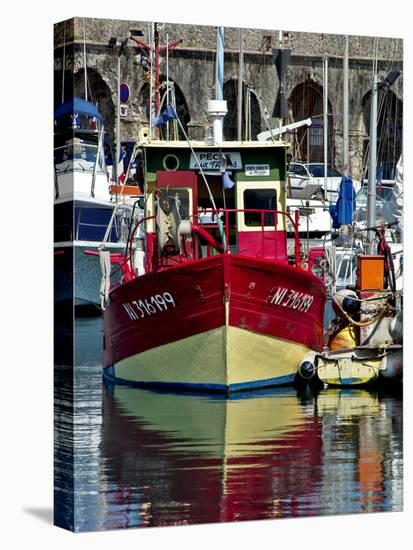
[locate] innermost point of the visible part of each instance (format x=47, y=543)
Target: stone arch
x=251, y=118
x=181, y=104
x=389, y=129
x=306, y=101
x=98, y=93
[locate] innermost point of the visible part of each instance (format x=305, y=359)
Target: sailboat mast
x=156, y=68
x=240, y=84
x=64, y=62
x=345, y=109
x=151, y=34
x=84, y=56
x=117, y=174
x=325, y=120
x=167, y=82
x=371, y=195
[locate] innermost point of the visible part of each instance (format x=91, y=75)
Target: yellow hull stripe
x=223, y=356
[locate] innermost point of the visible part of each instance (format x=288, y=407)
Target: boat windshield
x=91, y=224
x=383, y=193
x=317, y=171
x=77, y=155
x=346, y=271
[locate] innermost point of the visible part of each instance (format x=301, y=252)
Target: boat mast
x=153, y=50
x=156, y=66
x=84, y=56
x=117, y=175
x=280, y=40
x=151, y=35
x=167, y=82
x=325, y=120
x=63, y=62
x=240, y=84
x=371, y=194
x=345, y=109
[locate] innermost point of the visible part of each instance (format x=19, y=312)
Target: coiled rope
x=366, y=323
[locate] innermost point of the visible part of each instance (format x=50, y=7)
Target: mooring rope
x=352, y=321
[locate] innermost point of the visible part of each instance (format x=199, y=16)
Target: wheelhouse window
x=259, y=199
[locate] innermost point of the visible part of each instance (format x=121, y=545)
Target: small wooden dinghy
x=359, y=366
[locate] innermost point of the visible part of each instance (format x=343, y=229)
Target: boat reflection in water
x=198, y=459
x=372, y=423
x=181, y=459
x=127, y=457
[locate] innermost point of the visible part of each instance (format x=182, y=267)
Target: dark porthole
x=171, y=162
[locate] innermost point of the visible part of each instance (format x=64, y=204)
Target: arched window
x=389, y=132
x=176, y=98
x=251, y=113
x=306, y=101
x=98, y=92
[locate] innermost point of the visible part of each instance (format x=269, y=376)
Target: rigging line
x=382, y=99
x=109, y=228
x=150, y=35
x=196, y=159
x=396, y=117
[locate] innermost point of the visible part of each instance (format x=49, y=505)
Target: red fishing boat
x=218, y=303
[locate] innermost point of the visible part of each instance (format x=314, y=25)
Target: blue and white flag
x=167, y=115
x=227, y=181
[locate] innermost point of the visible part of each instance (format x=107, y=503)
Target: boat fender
x=396, y=328
x=346, y=300
x=392, y=365
x=139, y=262
x=185, y=228
x=307, y=368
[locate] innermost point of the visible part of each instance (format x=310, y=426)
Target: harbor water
x=128, y=457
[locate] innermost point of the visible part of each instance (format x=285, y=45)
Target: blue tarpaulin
x=79, y=106
x=342, y=211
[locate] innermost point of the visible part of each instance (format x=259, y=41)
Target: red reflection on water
x=163, y=477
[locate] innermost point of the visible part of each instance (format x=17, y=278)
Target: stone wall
x=192, y=68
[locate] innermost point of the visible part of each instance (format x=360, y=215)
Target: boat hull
x=77, y=275
x=360, y=367
x=221, y=324
x=222, y=359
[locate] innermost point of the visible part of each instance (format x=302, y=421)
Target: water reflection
x=199, y=459
x=143, y=458
x=362, y=449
